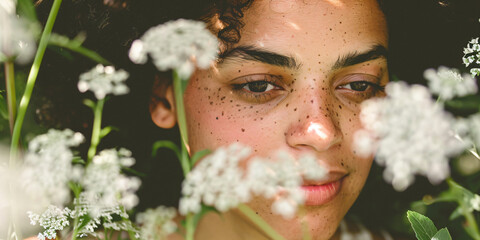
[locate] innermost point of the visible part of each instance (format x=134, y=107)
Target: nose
x=314, y=128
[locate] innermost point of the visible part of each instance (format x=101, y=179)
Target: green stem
x=190, y=228
x=32, y=77
x=178, y=88
x=97, y=124
x=267, y=229
x=472, y=225
x=11, y=96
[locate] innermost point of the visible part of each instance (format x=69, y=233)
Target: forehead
x=312, y=28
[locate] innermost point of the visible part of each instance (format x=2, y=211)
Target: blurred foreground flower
x=105, y=185
x=410, y=134
x=103, y=80
x=176, y=45
x=448, y=83
x=220, y=181
x=157, y=224
x=17, y=41
x=48, y=167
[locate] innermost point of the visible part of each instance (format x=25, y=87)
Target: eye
x=359, y=86
x=258, y=86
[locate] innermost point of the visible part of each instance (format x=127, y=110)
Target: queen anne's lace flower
x=48, y=166
x=176, y=45
x=52, y=220
x=219, y=181
x=157, y=223
x=412, y=133
x=16, y=38
x=103, y=80
x=105, y=186
x=472, y=55
x=448, y=83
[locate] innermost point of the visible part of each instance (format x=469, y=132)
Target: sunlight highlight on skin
x=317, y=129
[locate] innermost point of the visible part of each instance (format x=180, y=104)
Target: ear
x=162, y=105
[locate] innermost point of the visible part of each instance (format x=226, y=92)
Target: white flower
x=48, y=166
x=220, y=181
x=103, y=80
x=475, y=202
x=412, y=134
x=105, y=186
x=472, y=55
x=16, y=35
x=216, y=181
x=157, y=223
x=177, y=45
x=448, y=83
x=52, y=220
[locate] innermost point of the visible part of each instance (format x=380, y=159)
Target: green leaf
x=106, y=130
x=442, y=234
x=78, y=160
x=75, y=45
x=89, y=103
x=423, y=226
x=134, y=172
x=471, y=102
x=199, y=155
x=27, y=10
x=165, y=144
x=456, y=214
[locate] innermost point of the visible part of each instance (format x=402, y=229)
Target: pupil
x=359, y=86
x=259, y=86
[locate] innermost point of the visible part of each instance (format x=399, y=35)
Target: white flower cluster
x=176, y=45
x=17, y=41
x=103, y=217
x=472, y=55
x=282, y=179
x=103, y=80
x=220, y=181
x=52, y=220
x=157, y=223
x=48, y=166
x=448, y=83
x=105, y=186
x=410, y=133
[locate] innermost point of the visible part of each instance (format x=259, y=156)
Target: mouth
x=317, y=194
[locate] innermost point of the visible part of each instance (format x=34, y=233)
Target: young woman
x=291, y=76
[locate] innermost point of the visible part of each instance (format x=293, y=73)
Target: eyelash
x=372, y=90
x=257, y=96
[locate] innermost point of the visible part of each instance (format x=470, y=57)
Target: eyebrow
x=375, y=52
x=252, y=53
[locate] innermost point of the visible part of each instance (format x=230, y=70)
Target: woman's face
x=295, y=81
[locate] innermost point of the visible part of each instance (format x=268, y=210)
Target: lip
x=317, y=194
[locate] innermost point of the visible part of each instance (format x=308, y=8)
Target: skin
x=311, y=106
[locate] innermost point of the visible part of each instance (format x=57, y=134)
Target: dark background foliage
x=423, y=34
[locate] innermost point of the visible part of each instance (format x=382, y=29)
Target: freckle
x=286, y=105
x=216, y=118
x=251, y=107
x=198, y=124
x=314, y=80
x=326, y=115
x=231, y=100
x=244, y=107
x=222, y=113
x=243, y=129
x=349, y=119
x=198, y=111
x=328, y=109
x=340, y=22
x=340, y=106
x=211, y=133
x=239, y=110
x=295, y=109
x=298, y=120
x=254, y=119
x=211, y=103
x=330, y=29
x=336, y=114
x=311, y=101
x=354, y=114
x=291, y=90
x=208, y=97
x=343, y=164
x=205, y=88
x=308, y=116
x=256, y=111
x=261, y=118
x=275, y=122
x=239, y=70
x=222, y=98
x=238, y=105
